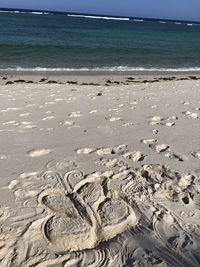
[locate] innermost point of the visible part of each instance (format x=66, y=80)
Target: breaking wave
x=98, y=17
x=103, y=69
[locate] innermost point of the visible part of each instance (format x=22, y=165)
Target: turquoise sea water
x=52, y=41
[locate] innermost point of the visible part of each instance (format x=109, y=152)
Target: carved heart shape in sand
x=82, y=214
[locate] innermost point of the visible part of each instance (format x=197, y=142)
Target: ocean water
x=59, y=42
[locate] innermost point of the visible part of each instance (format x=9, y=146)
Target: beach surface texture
x=106, y=173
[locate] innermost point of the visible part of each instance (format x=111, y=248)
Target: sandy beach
x=100, y=171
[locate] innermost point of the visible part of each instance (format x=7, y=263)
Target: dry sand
x=100, y=175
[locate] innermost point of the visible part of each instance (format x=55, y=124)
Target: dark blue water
x=34, y=41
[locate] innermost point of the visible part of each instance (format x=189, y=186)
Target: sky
x=162, y=9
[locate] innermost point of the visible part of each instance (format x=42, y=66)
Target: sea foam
x=103, y=69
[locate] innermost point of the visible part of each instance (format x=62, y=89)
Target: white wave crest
x=97, y=17
x=7, y=11
x=138, y=20
x=24, y=12
x=37, y=13
x=103, y=69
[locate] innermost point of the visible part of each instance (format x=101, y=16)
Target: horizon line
x=92, y=14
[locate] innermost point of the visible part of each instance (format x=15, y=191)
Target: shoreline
x=94, y=77
x=94, y=72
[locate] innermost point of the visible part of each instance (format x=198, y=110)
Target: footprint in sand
x=196, y=154
x=21, y=124
x=134, y=155
x=59, y=99
x=135, y=102
x=154, y=106
x=93, y=111
x=155, y=131
x=170, y=124
x=68, y=123
x=48, y=118
x=32, y=174
x=39, y=152
x=24, y=114
x=105, y=151
x=191, y=115
x=31, y=126
x=11, y=109
x=111, y=150
x=156, y=120
x=3, y=157
x=30, y=105
x=113, y=109
x=148, y=141
x=9, y=123
x=75, y=114
x=159, y=148
x=114, y=119
x=128, y=124
x=85, y=151
x=186, y=103
x=121, y=105
x=26, y=123
x=171, y=155
x=49, y=103
x=170, y=121
x=13, y=184
x=110, y=163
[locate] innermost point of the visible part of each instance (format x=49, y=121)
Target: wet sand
x=93, y=78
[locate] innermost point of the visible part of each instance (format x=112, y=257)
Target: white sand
x=100, y=175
